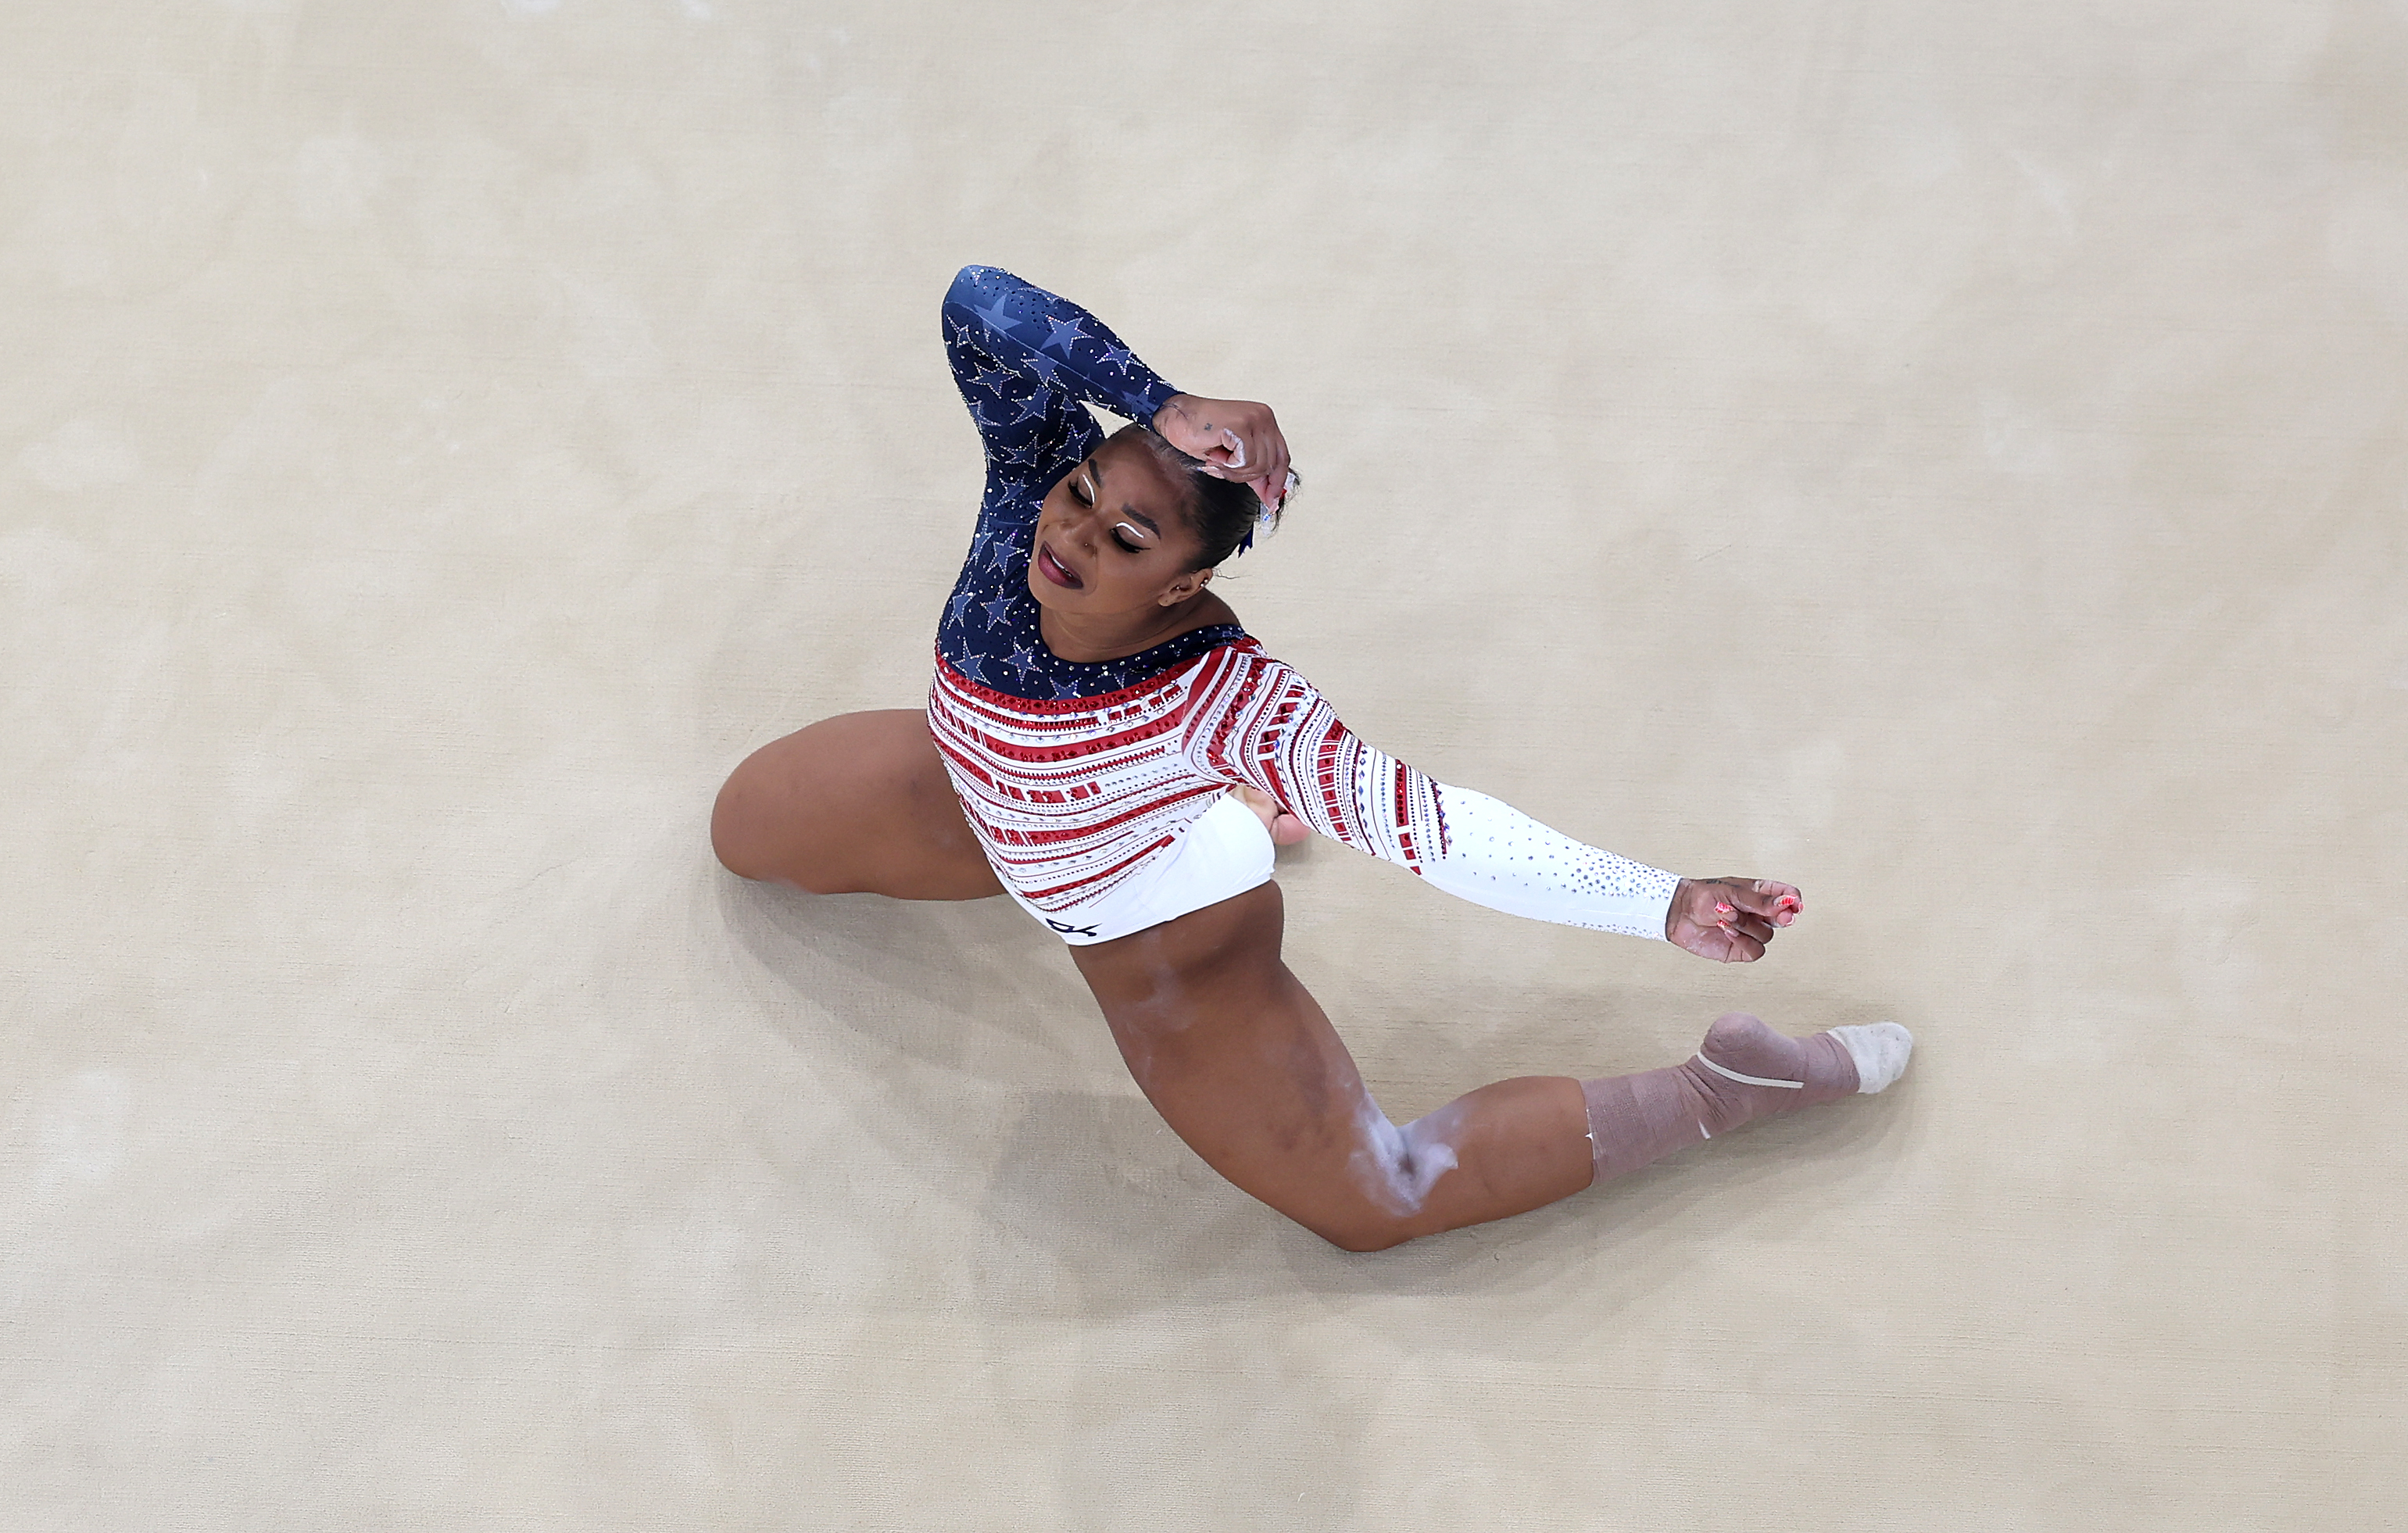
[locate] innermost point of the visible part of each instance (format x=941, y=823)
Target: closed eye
x=1084, y=492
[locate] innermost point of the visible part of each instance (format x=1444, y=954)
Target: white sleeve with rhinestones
x=1497, y=856
x=1258, y=721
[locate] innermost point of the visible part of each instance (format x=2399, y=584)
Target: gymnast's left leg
x=1244, y=1065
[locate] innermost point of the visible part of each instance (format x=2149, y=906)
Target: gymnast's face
x=1113, y=538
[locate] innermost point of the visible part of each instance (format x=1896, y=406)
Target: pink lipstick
x=1054, y=570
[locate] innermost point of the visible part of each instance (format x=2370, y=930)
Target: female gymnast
x=1104, y=744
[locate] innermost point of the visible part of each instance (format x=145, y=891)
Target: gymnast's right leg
x=857, y=804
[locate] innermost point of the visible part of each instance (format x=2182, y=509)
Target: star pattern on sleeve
x=1019, y=389
x=1067, y=333
x=999, y=318
x=961, y=601
x=998, y=612
x=1046, y=368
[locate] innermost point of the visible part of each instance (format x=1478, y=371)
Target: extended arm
x=1264, y=725
x=1024, y=358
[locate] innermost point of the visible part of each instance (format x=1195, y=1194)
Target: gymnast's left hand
x=1237, y=439
x=1729, y=920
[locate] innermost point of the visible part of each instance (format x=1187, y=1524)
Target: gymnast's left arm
x=1269, y=728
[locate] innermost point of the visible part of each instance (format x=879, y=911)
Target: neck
x=1088, y=640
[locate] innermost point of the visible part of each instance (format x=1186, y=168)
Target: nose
x=1082, y=524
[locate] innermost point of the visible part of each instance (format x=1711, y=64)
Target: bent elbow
x=965, y=283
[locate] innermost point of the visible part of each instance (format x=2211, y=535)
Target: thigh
x=857, y=804
x=1244, y=1065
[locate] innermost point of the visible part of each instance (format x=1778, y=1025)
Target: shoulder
x=1242, y=673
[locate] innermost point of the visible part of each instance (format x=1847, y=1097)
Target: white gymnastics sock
x=1880, y=1052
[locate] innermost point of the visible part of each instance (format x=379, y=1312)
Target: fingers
x=1741, y=949
x=1271, y=489
x=1272, y=479
x=1722, y=944
x=1285, y=828
x=1245, y=461
x=1762, y=926
x=1273, y=492
x=1733, y=919
x=1227, y=451
x=1756, y=928
x=1255, y=456
x=1778, y=902
x=1238, y=439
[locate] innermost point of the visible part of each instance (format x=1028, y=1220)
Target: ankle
x=1748, y=1070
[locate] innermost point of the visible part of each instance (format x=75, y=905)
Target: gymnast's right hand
x=1729, y=920
x=1237, y=439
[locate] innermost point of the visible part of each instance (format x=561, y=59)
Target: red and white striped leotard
x=1100, y=790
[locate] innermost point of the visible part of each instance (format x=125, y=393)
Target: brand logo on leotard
x=1071, y=931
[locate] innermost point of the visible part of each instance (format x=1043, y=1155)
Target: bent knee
x=1361, y=1228
x=735, y=837
x=732, y=841
x=752, y=835
x=1363, y=1235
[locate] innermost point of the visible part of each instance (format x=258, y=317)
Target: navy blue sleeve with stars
x=1025, y=360
x=1028, y=364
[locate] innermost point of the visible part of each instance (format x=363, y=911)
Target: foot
x=1285, y=828
x=1880, y=1052
x=1744, y=1070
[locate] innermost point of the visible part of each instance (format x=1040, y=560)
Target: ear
x=1186, y=586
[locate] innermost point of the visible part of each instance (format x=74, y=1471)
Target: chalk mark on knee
x=1398, y=1167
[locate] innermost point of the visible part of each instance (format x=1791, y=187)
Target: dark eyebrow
x=1097, y=474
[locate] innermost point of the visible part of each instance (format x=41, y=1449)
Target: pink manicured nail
x=1722, y=910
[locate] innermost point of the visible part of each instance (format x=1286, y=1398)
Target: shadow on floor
x=1081, y=1199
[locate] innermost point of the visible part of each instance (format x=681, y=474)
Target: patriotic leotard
x=1100, y=788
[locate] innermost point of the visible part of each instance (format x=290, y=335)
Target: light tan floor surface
x=1950, y=457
